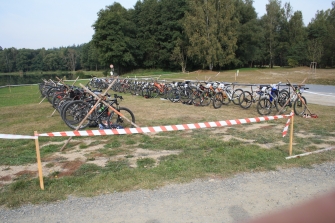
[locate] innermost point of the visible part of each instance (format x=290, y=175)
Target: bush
x=292, y=62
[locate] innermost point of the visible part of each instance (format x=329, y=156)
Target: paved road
x=320, y=94
x=229, y=200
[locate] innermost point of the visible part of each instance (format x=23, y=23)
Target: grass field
x=103, y=164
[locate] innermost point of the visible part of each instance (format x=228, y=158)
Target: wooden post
x=92, y=109
x=42, y=100
x=291, y=134
x=39, y=165
x=291, y=96
x=108, y=105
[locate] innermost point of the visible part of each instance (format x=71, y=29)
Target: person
x=112, y=69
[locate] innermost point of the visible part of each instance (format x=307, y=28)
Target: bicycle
x=296, y=100
x=74, y=112
x=225, y=94
x=247, y=98
x=272, y=97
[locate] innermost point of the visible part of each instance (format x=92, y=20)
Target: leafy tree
x=250, y=34
x=179, y=54
x=114, y=36
x=147, y=19
x=169, y=29
x=317, y=32
x=271, y=25
x=24, y=59
x=297, y=38
x=37, y=61
x=211, y=29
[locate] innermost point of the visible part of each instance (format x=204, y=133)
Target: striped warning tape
x=10, y=136
x=287, y=125
x=164, y=128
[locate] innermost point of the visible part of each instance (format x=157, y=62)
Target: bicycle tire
x=299, y=107
x=236, y=96
x=245, y=100
x=57, y=98
x=283, y=96
x=116, y=121
x=154, y=92
x=264, y=106
x=74, y=112
x=217, y=100
x=206, y=98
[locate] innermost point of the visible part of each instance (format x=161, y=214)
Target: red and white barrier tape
x=287, y=125
x=164, y=128
x=10, y=136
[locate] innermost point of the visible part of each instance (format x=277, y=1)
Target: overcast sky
x=35, y=24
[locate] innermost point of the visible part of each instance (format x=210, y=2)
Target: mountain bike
x=74, y=112
x=225, y=94
x=296, y=100
x=247, y=98
x=272, y=97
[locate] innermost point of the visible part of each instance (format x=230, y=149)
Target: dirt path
x=233, y=199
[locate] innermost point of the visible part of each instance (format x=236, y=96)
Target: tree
x=179, y=54
x=211, y=29
x=114, y=36
x=250, y=34
x=147, y=19
x=317, y=32
x=24, y=59
x=271, y=26
x=297, y=38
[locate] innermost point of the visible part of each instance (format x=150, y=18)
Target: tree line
x=189, y=34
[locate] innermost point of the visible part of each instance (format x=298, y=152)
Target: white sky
x=34, y=24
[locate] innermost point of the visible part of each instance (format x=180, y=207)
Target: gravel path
x=213, y=200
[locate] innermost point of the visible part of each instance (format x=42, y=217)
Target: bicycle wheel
x=264, y=106
x=283, y=96
x=102, y=116
x=51, y=92
x=57, y=98
x=217, y=100
x=173, y=95
x=74, y=112
x=154, y=92
x=236, y=96
x=61, y=104
x=116, y=121
x=245, y=100
x=184, y=96
x=299, y=105
x=206, y=98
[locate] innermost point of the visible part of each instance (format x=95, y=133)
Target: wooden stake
x=306, y=154
x=92, y=109
x=291, y=134
x=300, y=97
x=113, y=109
x=291, y=96
x=42, y=100
x=39, y=164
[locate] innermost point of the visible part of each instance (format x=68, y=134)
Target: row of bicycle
x=279, y=97
x=80, y=108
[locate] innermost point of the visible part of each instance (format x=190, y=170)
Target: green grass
x=200, y=153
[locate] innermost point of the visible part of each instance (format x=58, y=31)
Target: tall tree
x=250, y=34
x=317, y=32
x=297, y=38
x=211, y=29
x=147, y=18
x=271, y=26
x=169, y=29
x=114, y=36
